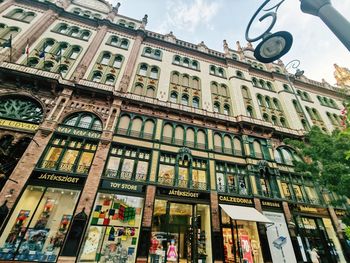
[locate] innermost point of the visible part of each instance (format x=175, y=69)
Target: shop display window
x=69, y=155
x=180, y=233
x=230, y=178
x=38, y=225
x=241, y=240
x=298, y=193
x=333, y=240
x=113, y=233
x=128, y=163
x=285, y=190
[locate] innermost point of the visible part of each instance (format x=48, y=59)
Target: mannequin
x=172, y=251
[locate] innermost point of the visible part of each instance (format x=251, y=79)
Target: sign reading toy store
x=113, y=185
x=182, y=193
x=19, y=125
x=236, y=200
x=79, y=132
x=61, y=178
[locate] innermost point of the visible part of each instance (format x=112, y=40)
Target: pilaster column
x=6, y=5
x=90, y=53
x=217, y=242
x=32, y=34
x=130, y=65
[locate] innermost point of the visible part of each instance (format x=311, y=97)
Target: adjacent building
x=118, y=144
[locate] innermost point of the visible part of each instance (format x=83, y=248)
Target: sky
x=212, y=21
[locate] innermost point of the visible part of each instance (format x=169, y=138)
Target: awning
x=245, y=213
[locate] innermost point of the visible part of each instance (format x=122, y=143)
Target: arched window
x=283, y=122
x=136, y=126
x=214, y=88
x=177, y=60
x=305, y=126
x=237, y=146
x=227, y=144
x=47, y=45
x=167, y=132
x=75, y=52
x=227, y=109
x=250, y=111
x=239, y=74
x=216, y=107
x=185, y=80
x=96, y=76
x=217, y=142
x=84, y=120
x=148, y=129
x=74, y=31
x=223, y=90
x=124, y=123
x=186, y=62
x=257, y=149
x=190, y=137
x=157, y=54
x=179, y=135
x=245, y=92
x=221, y=72
x=32, y=62
x=114, y=41
x=184, y=100
x=124, y=43
x=28, y=17
x=62, y=69
x=267, y=100
x=143, y=70
x=63, y=28
x=154, y=73
x=110, y=79
x=16, y=13
x=85, y=34
x=274, y=120
x=48, y=65
x=105, y=58
x=276, y=104
x=286, y=87
x=287, y=156
x=138, y=89
x=266, y=117
x=175, y=78
x=118, y=61
x=201, y=139
x=278, y=156
x=150, y=91
x=255, y=82
x=195, y=82
x=195, y=102
x=212, y=70
x=260, y=101
x=148, y=51
x=194, y=64
x=173, y=97
x=262, y=83
x=269, y=85
x=21, y=108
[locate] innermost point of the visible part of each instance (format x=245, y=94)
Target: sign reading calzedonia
x=19, y=125
x=235, y=200
x=57, y=178
x=79, y=132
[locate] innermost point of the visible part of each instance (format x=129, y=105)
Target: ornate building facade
x=118, y=144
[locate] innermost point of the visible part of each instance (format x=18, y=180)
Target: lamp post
x=298, y=73
x=330, y=16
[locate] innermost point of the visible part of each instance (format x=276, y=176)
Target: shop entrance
x=180, y=233
x=315, y=236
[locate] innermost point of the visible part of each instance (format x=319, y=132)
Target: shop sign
x=313, y=210
x=183, y=193
x=236, y=200
x=19, y=125
x=52, y=177
x=270, y=204
x=79, y=132
x=110, y=185
x=339, y=212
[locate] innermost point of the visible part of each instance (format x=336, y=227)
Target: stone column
x=130, y=65
x=32, y=34
x=145, y=232
x=6, y=5
x=90, y=53
x=216, y=239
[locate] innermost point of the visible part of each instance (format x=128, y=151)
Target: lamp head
x=273, y=47
x=299, y=73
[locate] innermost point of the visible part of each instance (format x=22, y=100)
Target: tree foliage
x=325, y=158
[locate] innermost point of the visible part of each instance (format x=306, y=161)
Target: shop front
x=315, y=230
x=181, y=227
x=280, y=243
x=113, y=231
x=38, y=225
x=238, y=219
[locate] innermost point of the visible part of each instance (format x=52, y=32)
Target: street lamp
x=273, y=45
x=298, y=73
x=330, y=16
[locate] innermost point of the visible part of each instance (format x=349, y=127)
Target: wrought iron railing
x=65, y=167
x=125, y=175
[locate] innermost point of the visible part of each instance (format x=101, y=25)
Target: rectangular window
x=231, y=179
x=285, y=190
x=298, y=193
x=128, y=163
x=69, y=155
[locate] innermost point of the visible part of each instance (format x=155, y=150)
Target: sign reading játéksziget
x=79, y=132
x=60, y=178
x=122, y=186
x=182, y=193
x=19, y=125
x=236, y=200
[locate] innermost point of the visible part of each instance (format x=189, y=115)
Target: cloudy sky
x=213, y=21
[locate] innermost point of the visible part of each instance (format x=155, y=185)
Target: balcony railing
x=65, y=167
x=125, y=175
x=182, y=183
x=232, y=189
x=136, y=134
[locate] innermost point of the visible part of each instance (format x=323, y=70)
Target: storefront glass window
x=333, y=240
x=128, y=163
x=38, y=225
x=241, y=240
x=180, y=233
x=312, y=195
x=114, y=229
x=69, y=155
x=285, y=190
